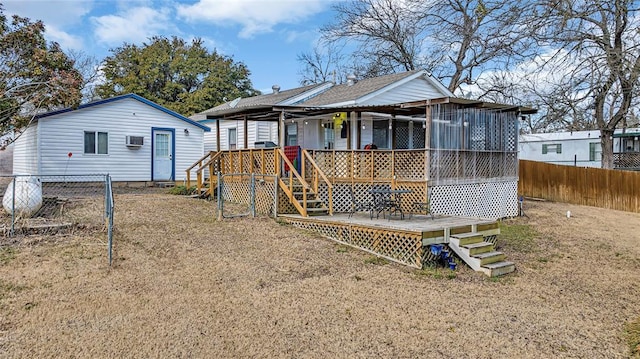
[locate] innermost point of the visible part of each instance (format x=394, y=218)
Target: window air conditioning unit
x=135, y=141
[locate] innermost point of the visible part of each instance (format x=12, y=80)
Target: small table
x=382, y=201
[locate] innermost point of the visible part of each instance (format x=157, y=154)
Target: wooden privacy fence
x=596, y=187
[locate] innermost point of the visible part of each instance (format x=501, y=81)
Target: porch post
x=281, y=130
x=359, y=131
x=246, y=132
x=392, y=128
x=218, y=135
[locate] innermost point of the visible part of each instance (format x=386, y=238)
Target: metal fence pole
x=252, y=198
x=275, y=196
x=13, y=206
x=220, y=200
x=109, y=201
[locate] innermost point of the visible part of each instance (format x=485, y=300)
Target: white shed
x=128, y=137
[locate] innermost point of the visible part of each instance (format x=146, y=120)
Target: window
x=233, y=138
x=552, y=148
x=329, y=136
x=96, y=142
x=381, y=134
x=595, y=151
x=291, y=134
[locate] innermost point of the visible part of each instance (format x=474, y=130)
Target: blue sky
x=267, y=35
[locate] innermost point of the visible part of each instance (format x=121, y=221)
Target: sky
x=266, y=35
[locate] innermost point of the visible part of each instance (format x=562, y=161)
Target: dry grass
x=185, y=285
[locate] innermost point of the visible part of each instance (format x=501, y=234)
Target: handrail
x=209, y=164
x=318, y=171
x=196, y=163
x=288, y=189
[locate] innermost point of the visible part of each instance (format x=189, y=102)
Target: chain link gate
x=48, y=205
x=246, y=194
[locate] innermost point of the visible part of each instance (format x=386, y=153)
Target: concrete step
x=498, y=268
x=469, y=238
x=490, y=257
x=477, y=248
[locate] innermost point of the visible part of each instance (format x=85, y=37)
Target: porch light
x=424, y=124
x=390, y=125
x=306, y=122
x=363, y=126
x=186, y=132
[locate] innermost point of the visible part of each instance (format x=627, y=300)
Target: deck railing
x=626, y=161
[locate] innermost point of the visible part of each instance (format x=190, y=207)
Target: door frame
x=173, y=150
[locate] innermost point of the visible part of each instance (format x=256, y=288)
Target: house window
x=233, y=138
x=381, y=134
x=552, y=148
x=329, y=136
x=595, y=151
x=96, y=142
x=291, y=134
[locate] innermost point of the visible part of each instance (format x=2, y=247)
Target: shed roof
x=122, y=97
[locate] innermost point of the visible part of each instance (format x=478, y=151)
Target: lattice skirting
x=485, y=200
x=238, y=190
x=397, y=246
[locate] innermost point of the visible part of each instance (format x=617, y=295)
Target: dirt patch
x=186, y=285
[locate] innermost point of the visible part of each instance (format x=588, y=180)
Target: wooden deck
x=400, y=240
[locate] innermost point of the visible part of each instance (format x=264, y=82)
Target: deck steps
x=480, y=255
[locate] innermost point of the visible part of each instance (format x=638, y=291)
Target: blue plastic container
x=452, y=265
x=436, y=249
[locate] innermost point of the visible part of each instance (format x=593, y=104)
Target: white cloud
x=66, y=40
x=53, y=13
x=134, y=25
x=254, y=16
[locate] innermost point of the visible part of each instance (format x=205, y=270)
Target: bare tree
x=323, y=64
x=89, y=67
x=454, y=39
x=598, y=42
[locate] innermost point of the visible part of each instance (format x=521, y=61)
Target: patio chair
x=422, y=208
x=358, y=206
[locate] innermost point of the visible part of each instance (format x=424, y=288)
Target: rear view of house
x=128, y=137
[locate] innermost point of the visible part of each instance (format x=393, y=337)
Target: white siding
x=25, y=151
x=414, y=90
x=256, y=131
x=574, y=148
x=64, y=133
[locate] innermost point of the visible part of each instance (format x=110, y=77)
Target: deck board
x=417, y=223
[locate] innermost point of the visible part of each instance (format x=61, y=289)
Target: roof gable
x=122, y=97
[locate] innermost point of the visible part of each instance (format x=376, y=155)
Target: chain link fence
x=49, y=205
x=245, y=194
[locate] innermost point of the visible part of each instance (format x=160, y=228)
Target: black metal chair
x=358, y=206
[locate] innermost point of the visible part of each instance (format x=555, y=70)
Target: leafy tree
x=35, y=76
x=184, y=77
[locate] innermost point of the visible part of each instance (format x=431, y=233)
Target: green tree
x=35, y=76
x=184, y=77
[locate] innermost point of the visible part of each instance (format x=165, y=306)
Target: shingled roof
x=267, y=100
x=346, y=92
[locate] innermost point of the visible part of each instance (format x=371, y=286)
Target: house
x=581, y=148
x=127, y=136
x=459, y=154
x=402, y=135
x=243, y=121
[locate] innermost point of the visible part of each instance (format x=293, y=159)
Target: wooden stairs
x=481, y=256
x=315, y=206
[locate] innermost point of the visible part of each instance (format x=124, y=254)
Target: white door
x=162, y=155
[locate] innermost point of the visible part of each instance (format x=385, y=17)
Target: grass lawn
x=186, y=285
